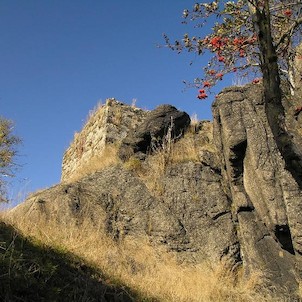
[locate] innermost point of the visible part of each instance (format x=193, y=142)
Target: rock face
x=157, y=124
x=266, y=200
x=235, y=202
x=195, y=198
x=186, y=218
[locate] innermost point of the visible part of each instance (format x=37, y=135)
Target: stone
x=157, y=124
x=194, y=195
x=186, y=219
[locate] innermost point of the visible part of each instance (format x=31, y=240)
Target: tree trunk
x=270, y=70
x=273, y=93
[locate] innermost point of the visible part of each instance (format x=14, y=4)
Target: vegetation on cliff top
x=8, y=143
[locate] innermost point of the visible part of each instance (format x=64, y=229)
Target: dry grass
x=107, y=158
x=94, y=111
x=135, y=263
x=239, y=80
x=165, y=154
x=171, y=152
x=194, y=120
x=133, y=103
x=189, y=148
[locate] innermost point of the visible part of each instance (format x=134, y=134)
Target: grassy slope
x=31, y=272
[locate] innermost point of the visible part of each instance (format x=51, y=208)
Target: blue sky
x=59, y=58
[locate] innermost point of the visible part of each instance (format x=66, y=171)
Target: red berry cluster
x=219, y=76
x=256, y=81
x=202, y=94
x=288, y=13
x=218, y=45
x=298, y=110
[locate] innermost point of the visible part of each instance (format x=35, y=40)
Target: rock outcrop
x=186, y=217
x=266, y=199
x=297, y=76
x=157, y=124
x=235, y=202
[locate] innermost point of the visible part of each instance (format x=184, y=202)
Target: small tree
x=8, y=143
x=248, y=36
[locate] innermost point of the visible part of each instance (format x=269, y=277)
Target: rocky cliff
x=266, y=199
x=217, y=191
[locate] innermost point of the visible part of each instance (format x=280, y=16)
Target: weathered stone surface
x=297, y=75
x=193, y=194
x=108, y=125
x=156, y=125
x=113, y=196
x=261, y=253
x=264, y=194
x=293, y=118
x=187, y=219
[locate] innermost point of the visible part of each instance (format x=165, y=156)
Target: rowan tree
x=246, y=36
x=8, y=143
x=249, y=36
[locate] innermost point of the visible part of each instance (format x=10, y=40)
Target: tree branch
x=289, y=31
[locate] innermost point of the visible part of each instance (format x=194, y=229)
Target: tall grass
x=134, y=262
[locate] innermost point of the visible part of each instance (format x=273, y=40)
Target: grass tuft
x=106, y=159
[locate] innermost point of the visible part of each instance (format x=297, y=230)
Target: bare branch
x=289, y=31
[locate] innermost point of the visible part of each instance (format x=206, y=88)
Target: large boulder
x=194, y=195
x=163, y=120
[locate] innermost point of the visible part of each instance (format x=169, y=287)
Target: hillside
x=31, y=271
x=179, y=210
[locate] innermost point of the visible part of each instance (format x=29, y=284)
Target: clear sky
x=59, y=58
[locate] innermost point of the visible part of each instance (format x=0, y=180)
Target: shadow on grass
x=29, y=272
